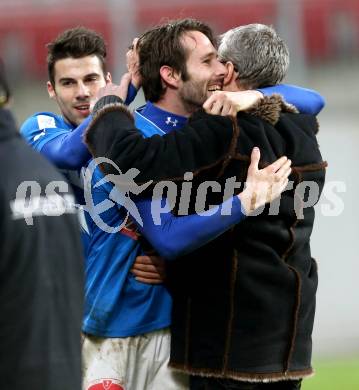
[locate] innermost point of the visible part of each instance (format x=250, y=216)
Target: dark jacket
x=244, y=304
x=41, y=275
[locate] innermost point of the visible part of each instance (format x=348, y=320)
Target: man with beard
x=244, y=323
x=132, y=331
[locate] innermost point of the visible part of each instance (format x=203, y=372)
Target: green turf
x=334, y=375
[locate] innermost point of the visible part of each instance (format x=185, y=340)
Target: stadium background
x=323, y=37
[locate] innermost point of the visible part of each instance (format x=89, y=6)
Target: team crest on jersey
x=106, y=384
x=46, y=122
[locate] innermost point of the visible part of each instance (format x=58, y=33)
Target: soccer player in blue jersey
x=125, y=320
x=176, y=90
x=77, y=70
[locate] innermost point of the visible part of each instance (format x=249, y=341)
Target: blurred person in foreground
x=41, y=268
x=243, y=304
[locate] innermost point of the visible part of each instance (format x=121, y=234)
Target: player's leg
x=131, y=363
x=155, y=350
x=103, y=363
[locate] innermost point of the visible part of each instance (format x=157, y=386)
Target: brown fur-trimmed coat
x=244, y=304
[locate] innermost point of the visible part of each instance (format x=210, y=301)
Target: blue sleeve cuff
x=131, y=94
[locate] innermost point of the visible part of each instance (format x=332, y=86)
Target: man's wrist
x=248, y=201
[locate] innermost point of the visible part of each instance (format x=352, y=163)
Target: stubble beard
x=192, y=96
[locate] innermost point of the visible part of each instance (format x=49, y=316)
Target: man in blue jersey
x=77, y=70
x=125, y=320
x=176, y=88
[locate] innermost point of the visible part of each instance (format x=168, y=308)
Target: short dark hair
x=162, y=45
x=76, y=42
x=4, y=86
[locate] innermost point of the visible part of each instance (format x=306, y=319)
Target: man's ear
x=231, y=74
x=50, y=90
x=108, y=78
x=170, y=76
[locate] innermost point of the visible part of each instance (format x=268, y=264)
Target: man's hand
x=230, y=103
x=149, y=269
x=264, y=185
x=114, y=89
x=133, y=64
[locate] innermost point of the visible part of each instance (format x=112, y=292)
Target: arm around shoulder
x=203, y=142
x=306, y=100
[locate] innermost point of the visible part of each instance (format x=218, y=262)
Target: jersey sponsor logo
x=46, y=122
x=106, y=384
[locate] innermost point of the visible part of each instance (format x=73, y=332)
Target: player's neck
x=74, y=125
x=171, y=103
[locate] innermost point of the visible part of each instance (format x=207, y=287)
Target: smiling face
x=77, y=81
x=205, y=73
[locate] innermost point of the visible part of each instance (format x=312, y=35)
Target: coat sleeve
x=203, y=143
